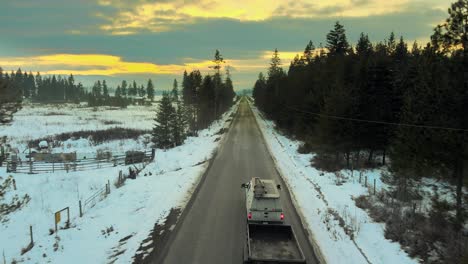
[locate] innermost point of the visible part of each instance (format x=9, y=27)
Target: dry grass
x=432, y=237
x=98, y=137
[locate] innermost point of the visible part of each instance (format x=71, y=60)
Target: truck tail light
x=249, y=215
x=282, y=216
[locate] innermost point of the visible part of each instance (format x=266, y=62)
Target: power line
x=378, y=122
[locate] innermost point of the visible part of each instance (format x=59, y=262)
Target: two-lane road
x=213, y=229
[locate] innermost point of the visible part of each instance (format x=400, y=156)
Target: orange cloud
x=108, y=65
x=89, y=64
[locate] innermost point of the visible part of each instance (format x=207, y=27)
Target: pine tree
x=217, y=81
x=70, y=90
x=259, y=91
x=123, y=86
x=179, y=124
x=118, y=91
x=38, y=80
x=364, y=46
x=276, y=76
x=162, y=135
x=309, y=52
x=415, y=50
x=150, y=90
x=32, y=85
x=337, y=43
x=218, y=61
x=134, y=89
x=275, y=65
x=454, y=33
x=142, y=91
x=401, y=50
x=105, y=90
x=175, y=91
x=228, y=94
x=97, y=90
x=206, y=103
x=10, y=101
x=391, y=44
x=187, y=89
x=190, y=85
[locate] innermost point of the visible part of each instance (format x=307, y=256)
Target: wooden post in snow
x=30, y=162
x=31, y=233
x=374, y=186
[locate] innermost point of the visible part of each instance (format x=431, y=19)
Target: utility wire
x=378, y=122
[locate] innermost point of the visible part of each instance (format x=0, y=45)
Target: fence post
x=14, y=184
x=81, y=210
x=374, y=186
x=53, y=166
x=153, y=154
x=30, y=162
x=55, y=220
x=360, y=175
x=68, y=217
x=31, y=233
x=366, y=182
x=108, y=186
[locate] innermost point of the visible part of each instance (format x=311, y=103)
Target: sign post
x=58, y=218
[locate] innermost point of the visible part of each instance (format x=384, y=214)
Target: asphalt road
x=214, y=225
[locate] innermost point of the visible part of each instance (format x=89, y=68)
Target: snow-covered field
x=343, y=232
x=131, y=210
x=36, y=121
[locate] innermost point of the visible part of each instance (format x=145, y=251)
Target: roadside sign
x=57, y=217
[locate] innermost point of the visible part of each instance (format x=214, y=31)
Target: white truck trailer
x=269, y=240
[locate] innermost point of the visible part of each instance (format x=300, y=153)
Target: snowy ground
x=36, y=121
x=343, y=232
x=131, y=210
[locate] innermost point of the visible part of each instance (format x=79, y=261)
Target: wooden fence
x=33, y=167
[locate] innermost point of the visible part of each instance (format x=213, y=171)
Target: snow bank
x=128, y=212
x=343, y=232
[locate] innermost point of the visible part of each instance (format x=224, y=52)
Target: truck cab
x=263, y=202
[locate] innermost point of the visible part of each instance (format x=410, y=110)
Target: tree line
x=10, y=99
x=42, y=89
x=123, y=96
x=52, y=88
x=384, y=98
x=203, y=100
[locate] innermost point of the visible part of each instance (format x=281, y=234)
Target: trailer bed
x=273, y=244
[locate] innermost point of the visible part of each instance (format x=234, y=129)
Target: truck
x=268, y=238
x=263, y=201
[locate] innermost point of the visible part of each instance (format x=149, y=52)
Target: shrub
x=98, y=136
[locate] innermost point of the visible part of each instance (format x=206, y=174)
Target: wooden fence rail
x=33, y=167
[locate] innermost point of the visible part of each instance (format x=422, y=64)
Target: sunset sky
x=141, y=39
